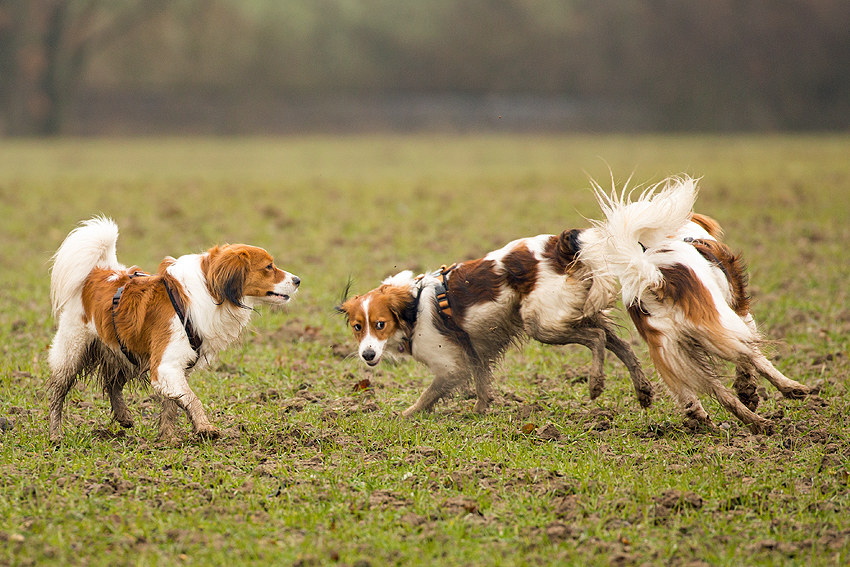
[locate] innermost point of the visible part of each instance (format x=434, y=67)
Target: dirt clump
x=672, y=502
x=549, y=433
x=558, y=532
x=459, y=506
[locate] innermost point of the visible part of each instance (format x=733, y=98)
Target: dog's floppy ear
x=226, y=274
x=400, y=302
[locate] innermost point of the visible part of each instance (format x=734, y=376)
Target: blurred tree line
x=707, y=65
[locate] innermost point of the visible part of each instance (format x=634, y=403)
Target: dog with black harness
x=121, y=324
x=461, y=319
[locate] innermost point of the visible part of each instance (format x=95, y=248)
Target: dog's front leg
x=443, y=385
x=168, y=379
x=483, y=377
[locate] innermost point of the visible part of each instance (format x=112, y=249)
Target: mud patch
x=113, y=482
x=459, y=506
x=672, y=502
x=386, y=500
x=549, y=433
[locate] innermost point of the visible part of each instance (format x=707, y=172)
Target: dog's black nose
x=368, y=355
x=296, y=281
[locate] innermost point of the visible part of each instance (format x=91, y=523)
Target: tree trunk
x=52, y=84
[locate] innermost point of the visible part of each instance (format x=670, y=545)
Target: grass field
x=311, y=470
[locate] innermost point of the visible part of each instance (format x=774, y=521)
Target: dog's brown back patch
x=520, y=267
x=683, y=288
x=472, y=283
x=142, y=316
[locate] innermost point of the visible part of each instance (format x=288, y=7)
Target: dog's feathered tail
x=90, y=245
x=621, y=246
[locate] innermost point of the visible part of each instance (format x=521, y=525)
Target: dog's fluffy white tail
x=622, y=245
x=90, y=245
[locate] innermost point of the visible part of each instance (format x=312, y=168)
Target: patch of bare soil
x=459, y=506
x=672, y=502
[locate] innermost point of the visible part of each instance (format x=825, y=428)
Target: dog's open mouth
x=283, y=296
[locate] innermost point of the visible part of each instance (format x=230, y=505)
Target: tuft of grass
x=313, y=470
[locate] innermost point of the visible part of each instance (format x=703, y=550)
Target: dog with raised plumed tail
x=121, y=324
x=686, y=293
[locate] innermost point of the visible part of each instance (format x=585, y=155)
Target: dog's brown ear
x=345, y=307
x=226, y=273
x=400, y=303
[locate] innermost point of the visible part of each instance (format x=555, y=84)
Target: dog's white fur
x=681, y=300
x=532, y=287
x=81, y=346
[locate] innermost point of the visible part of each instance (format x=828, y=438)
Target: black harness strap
x=194, y=339
x=116, y=299
x=702, y=248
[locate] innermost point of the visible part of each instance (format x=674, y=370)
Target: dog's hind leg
x=680, y=373
x=621, y=349
x=68, y=356
x=727, y=399
x=789, y=388
x=115, y=389
x=592, y=336
x=746, y=384
x=483, y=377
x=691, y=406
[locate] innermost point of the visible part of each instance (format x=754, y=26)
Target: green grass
x=312, y=472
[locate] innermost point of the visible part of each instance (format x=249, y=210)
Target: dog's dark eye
x=380, y=325
x=357, y=327
x=270, y=267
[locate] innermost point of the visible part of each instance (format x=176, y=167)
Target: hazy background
x=126, y=67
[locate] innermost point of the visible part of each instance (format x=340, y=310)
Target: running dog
x=460, y=320
x=686, y=293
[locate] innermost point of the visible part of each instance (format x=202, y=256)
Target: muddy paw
x=645, y=397
x=797, y=393
x=695, y=425
x=750, y=399
x=211, y=433
x=596, y=392
x=125, y=422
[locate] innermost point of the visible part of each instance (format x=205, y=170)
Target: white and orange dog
x=120, y=324
x=687, y=295
x=460, y=320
